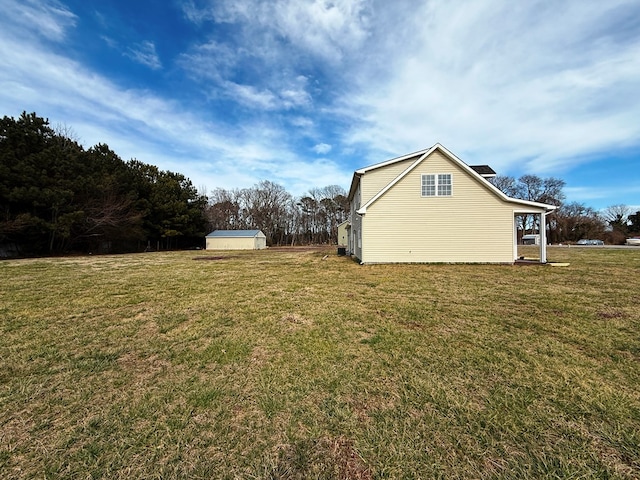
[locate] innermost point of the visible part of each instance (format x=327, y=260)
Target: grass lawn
x=282, y=364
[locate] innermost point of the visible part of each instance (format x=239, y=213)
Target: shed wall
x=231, y=243
x=260, y=242
x=343, y=233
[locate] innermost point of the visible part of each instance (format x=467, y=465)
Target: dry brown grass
x=279, y=364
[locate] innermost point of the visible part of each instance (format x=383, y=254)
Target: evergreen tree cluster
x=57, y=197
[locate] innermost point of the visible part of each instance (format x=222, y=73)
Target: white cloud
x=211, y=61
x=195, y=14
x=327, y=28
x=502, y=80
x=145, y=54
x=531, y=87
x=47, y=18
x=302, y=122
x=139, y=124
x=322, y=148
x=216, y=65
x=324, y=28
x=251, y=96
x=293, y=92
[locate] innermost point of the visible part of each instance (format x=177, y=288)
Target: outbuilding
x=236, y=240
x=531, y=239
x=343, y=234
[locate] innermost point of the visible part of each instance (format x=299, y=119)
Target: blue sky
x=303, y=92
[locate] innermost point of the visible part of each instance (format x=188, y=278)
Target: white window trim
x=436, y=184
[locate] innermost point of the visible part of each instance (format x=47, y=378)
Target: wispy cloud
x=47, y=18
x=268, y=86
x=282, y=30
x=511, y=80
x=269, y=43
x=327, y=29
x=322, y=148
x=211, y=61
x=145, y=54
x=140, y=124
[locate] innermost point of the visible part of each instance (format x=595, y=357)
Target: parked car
x=586, y=241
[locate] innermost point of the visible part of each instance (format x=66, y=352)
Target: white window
x=444, y=184
x=428, y=185
x=437, y=185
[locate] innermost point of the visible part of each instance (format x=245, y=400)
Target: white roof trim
x=394, y=160
x=424, y=154
x=363, y=209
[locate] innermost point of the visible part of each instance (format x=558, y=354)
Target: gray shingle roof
x=483, y=169
x=234, y=233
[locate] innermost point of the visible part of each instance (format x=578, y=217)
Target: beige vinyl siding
x=379, y=178
x=471, y=225
x=236, y=243
x=343, y=231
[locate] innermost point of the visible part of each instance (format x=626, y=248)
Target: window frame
x=440, y=187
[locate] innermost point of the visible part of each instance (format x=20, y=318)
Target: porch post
x=515, y=239
x=543, y=238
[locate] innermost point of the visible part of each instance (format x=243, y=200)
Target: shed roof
x=235, y=233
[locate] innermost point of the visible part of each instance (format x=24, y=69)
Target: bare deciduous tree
x=617, y=216
x=312, y=218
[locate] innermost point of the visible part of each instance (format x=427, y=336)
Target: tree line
x=56, y=197
x=284, y=219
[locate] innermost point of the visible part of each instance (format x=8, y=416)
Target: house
x=236, y=240
x=430, y=206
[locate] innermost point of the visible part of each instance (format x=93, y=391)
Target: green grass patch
x=286, y=364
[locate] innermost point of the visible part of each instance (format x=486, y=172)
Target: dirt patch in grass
x=611, y=314
x=304, y=248
x=324, y=458
x=143, y=369
x=294, y=320
x=214, y=258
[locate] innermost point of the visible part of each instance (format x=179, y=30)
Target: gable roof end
x=420, y=157
x=360, y=172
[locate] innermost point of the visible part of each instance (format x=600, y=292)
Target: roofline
x=425, y=153
x=231, y=233
x=403, y=174
x=395, y=160
x=547, y=206
x=354, y=181
x=361, y=171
